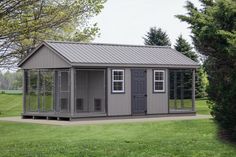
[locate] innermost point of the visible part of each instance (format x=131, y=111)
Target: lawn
x=157, y=139
x=10, y=105
x=202, y=106
x=194, y=138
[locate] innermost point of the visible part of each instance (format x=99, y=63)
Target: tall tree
x=185, y=48
x=214, y=35
x=25, y=23
x=156, y=37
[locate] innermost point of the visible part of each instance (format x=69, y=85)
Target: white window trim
x=154, y=81
x=123, y=81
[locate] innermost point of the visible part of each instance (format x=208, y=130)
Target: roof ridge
x=106, y=44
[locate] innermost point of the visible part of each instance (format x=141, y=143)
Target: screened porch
x=181, y=90
x=64, y=93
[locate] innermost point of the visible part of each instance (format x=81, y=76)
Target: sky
x=127, y=21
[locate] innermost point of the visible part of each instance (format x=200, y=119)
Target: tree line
x=11, y=80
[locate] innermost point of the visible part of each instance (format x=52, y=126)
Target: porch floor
x=109, y=120
x=60, y=116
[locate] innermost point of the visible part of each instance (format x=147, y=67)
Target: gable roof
x=114, y=54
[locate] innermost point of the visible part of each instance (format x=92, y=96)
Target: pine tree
x=156, y=37
x=184, y=47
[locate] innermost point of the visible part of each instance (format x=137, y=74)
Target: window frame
x=163, y=81
x=122, y=81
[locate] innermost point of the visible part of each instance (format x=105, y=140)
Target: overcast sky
x=126, y=21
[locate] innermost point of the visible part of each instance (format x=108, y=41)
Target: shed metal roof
x=95, y=53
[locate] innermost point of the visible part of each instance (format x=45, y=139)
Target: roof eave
x=135, y=65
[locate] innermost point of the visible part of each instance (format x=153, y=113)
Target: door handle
x=145, y=95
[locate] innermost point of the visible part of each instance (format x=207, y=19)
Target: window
x=159, y=81
x=117, y=81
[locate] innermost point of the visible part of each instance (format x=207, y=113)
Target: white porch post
x=193, y=90
x=72, y=95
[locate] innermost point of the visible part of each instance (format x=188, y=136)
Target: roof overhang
x=134, y=65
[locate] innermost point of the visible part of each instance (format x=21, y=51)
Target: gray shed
x=68, y=80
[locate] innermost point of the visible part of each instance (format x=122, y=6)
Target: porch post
x=72, y=95
x=182, y=89
x=24, y=90
x=193, y=90
x=175, y=88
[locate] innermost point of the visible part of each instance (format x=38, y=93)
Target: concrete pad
x=105, y=120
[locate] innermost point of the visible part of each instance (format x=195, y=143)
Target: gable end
x=44, y=57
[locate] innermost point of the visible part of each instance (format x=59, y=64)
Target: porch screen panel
x=26, y=91
x=46, y=90
x=64, y=91
x=188, y=89
x=180, y=90
x=32, y=96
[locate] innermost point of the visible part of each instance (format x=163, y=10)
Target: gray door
x=138, y=91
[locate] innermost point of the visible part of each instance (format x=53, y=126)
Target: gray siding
x=96, y=88
x=156, y=102
x=119, y=104
x=82, y=86
x=45, y=58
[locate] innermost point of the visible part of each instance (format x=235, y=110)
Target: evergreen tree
x=214, y=35
x=156, y=37
x=185, y=48
x=201, y=81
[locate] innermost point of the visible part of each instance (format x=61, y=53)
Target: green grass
x=10, y=105
x=202, y=106
x=193, y=138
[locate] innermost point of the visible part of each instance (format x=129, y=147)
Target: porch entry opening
x=90, y=91
x=138, y=91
